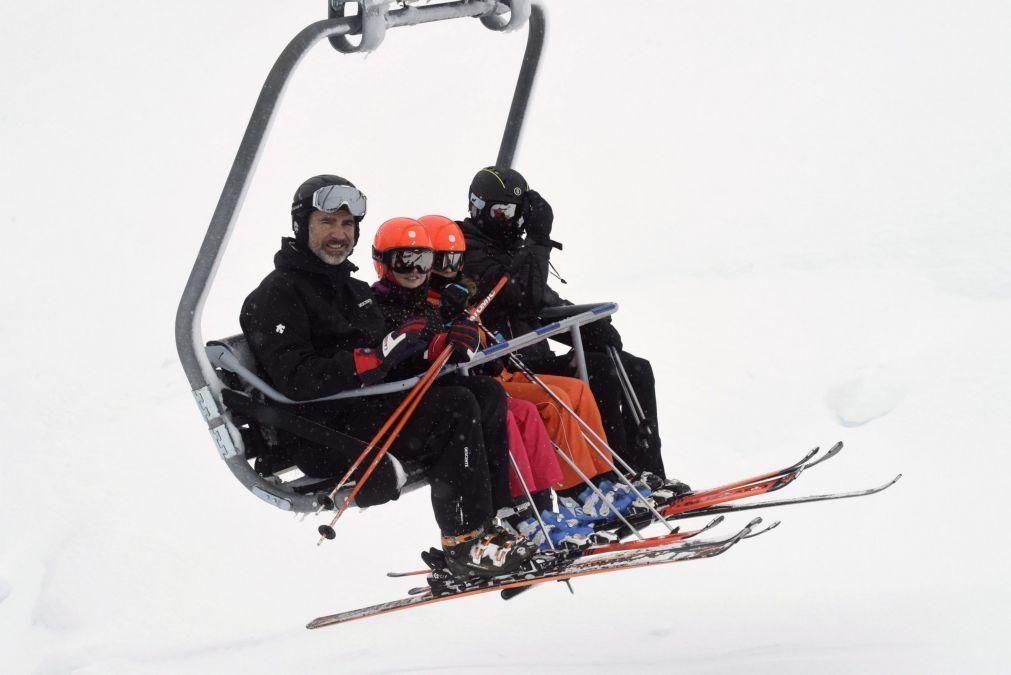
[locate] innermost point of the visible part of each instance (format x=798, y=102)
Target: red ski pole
x=400, y=417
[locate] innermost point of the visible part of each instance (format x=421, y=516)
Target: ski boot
x=566, y=534
x=594, y=511
x=665, y=490
x=486, y=552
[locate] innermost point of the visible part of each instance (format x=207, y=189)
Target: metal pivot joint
x=372, y=28
x=373, y=17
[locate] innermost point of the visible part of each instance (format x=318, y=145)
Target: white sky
x=802, y=208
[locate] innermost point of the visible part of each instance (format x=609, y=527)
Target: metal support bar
x=577, y=348
x=189, y=341
x=524, y=87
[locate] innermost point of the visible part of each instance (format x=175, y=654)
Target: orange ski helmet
x=400, y=245
x=447, y=241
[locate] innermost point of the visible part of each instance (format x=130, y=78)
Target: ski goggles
x=448, y=261
x=404, y=260
x=332, y=198
x=503, y=213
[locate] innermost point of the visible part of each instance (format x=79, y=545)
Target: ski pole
x=587, y=429
x=532, y=376
x=626, y=385
x=596, y=490
x=537, y=515
x=400, y=417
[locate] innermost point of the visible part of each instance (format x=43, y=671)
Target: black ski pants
x=444, y=432
x=491, y=399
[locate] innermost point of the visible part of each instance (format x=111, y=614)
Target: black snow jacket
x=515, y=310
x=304, y=321
x=399, y=305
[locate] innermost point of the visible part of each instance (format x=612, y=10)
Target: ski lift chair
x=247, y=418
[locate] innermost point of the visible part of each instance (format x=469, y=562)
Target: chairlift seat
x=256, y=407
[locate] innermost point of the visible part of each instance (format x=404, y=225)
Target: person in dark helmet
x=508, y=231
x=316, y=331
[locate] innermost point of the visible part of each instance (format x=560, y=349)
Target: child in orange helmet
x=449, y=246
x=403, y=258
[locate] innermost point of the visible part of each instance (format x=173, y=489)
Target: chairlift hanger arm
x=189, y=340
x=375, y=17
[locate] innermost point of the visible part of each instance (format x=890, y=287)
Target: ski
x=649, y=542
x=622, y=560
x=696, y=502
x=652, y=541
x=730, y=508
x=767, y=482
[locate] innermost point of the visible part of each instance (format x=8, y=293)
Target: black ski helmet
x=301, y=205
x=496, y=185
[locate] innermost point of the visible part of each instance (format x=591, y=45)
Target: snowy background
x=802, y=208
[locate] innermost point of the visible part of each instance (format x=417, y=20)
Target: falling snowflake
x=280, y=328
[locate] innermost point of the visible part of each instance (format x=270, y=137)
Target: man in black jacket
x=315, y=331
x=508, y=231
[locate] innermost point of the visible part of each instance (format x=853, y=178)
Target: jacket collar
x=387, y=291
x=474, y=231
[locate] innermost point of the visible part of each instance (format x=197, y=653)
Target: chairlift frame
x=373, y=19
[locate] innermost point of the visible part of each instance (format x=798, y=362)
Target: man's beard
x=329, y=258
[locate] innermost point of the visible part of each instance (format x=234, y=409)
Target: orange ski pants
x=562, y=428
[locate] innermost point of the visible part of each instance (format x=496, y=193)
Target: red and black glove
x=464, y=337
x=372, y=365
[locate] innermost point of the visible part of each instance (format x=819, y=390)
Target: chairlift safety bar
x=221, y=356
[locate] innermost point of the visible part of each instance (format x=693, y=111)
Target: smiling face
x=411, y=279
x=332, y=235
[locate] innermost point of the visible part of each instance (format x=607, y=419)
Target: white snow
x=802, y=209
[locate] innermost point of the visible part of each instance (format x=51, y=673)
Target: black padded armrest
x=565, y=311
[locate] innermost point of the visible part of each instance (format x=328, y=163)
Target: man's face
x=331, y=235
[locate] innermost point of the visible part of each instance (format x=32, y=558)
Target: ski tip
x=773, y=526
x=835, y=448
x=755, y=521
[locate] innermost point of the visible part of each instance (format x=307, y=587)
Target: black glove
x=453, y=301
x=492, y=368
x=374, y=364
x=600, y=335
x=464, y=337
x=537, y=217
